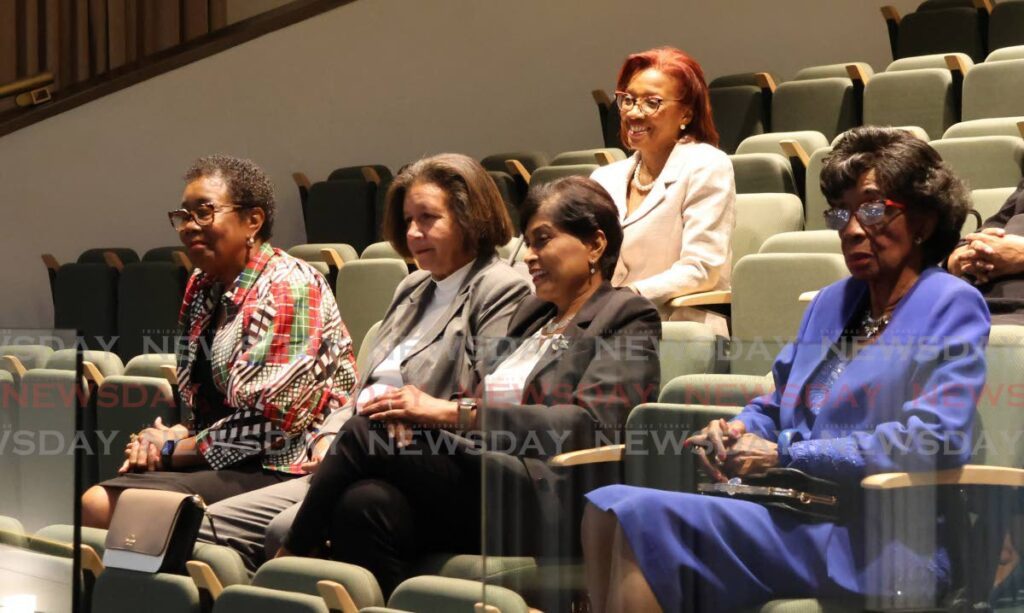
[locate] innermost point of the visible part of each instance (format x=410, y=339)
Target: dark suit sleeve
x=623, y=370
x=1014, y=205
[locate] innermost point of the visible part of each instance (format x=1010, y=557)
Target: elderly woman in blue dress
x=898, y=210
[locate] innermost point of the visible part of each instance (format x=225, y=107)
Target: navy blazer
x=904, y=403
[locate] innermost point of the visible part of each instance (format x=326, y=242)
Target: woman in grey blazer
x=446, y=213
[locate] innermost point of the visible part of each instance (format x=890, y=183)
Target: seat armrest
x=608, y=453
x=702, y=299
x=972, y=474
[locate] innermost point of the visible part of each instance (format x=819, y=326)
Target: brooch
x=560, y=343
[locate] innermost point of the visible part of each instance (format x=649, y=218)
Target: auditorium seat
x=365, y=289
x=808, y=241
x=601, y=156
x=85, y=294
x=342, y=212
x=939, y=27
x=796, y=147
x=826, y=99
x=984, y=161
x=380, y=250
x=108, y=363
x=998, y=126
x=497, y=165
x=547, y=174
x=815, y=203
x=741, y=105
x=326, y=257
x=164, y=254
x=510, y=192
x=149, y=296
x=994, y=89
x=1006, y=25
x=608, y=118
x=757, y=173
x=30, y=356
x=761, y=216
x=987, y=203
x=920, y=91
x=1007, y=53
x=686, y=347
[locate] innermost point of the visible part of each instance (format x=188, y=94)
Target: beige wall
x=376, y=81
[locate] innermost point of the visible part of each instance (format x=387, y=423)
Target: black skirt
x=212, y=485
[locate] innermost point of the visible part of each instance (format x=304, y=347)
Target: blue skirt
x=708, y=553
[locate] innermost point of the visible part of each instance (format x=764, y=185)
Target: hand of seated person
x=996, y=253
x=751, y=454
x=158, y=433
x=140, y=456
x=716, y=438
x=410, y=405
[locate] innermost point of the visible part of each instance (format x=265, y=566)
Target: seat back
x=109, y=364
x=149, y=365
x=997, y=126
x=766, y=306
x=739, y=113
x=251, y=599
x=128, y=404
x=301, y=575
x=987, y=202
x=31, y=356
x=121, y=591
x=831, y=71
x=366, y=347
x=312, y=253
x=686, y=347
x=547, y=174
x=85, y=299
x=365, y=289
x=808, y=241
x=10, y=473
x=942, y=30
x=758, y=173
x=342, y=212
x=98, y=255
x=381, y=250
x=149, y=296
x=815, y=203
x=760, y=216
x=1000, y=419
x=810, y=140
x=531, y=160
x=356, y=173
x=984, y=161
x=162, y=254
x=827, y=105
x=1005, y=26
x=586, y=156
x=923, y=97
x=1015, y=52
x=994, y=89
x=431, y=594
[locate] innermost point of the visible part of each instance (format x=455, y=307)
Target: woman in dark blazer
x=580, y=355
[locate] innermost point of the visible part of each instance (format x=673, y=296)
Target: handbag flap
x=144, y=520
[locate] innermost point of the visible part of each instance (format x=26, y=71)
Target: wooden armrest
x=983, y=5
x=972, y=474
x=794, y=149
x=204, y=578
x=370, y=175
x=702, y=299
x=92, y=373
x=955, y=63
x=332, y=258
x=601, y=97
x=857, y=74
x=170, y=373
x=113, y=260
x=51, y=262
x=1020, y=128
x=485, y=608
x=179, y=258
x=336, y=596
x=13, y=365
x=604, y=158
x=807, y=296
x=891, y=14
x=91, y=562
x=516, y=168
x=608, y=453
x=301, y=179
x=765, y=81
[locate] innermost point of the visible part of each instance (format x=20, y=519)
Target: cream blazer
x=677, y=241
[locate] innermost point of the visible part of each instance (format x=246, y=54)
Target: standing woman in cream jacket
x=676, y=195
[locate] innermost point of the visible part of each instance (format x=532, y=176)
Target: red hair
x=688, y=75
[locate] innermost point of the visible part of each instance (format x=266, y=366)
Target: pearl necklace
x=643, y=188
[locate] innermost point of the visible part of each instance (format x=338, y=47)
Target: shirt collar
x=451, y=283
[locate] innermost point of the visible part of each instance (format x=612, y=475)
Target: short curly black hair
x=248, y=185
x=907, y=170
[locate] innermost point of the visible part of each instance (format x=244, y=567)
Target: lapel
x=398, y=324
x=669, y=175
x=455, y=307
x=578, y=328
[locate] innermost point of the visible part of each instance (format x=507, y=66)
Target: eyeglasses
x=202, y=214
x=649, y=105
x=868, y=214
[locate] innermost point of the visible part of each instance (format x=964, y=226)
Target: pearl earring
x=593, y=269
x=249, y=242
x=682, y=127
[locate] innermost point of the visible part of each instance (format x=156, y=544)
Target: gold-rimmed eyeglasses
x=202, y=214
x=648, y=105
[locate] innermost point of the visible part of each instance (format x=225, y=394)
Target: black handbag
x=153, y=531
x=786, y=488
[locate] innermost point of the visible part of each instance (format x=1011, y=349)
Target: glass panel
x=40, y=443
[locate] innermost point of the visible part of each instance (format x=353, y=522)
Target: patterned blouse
x=282, y=360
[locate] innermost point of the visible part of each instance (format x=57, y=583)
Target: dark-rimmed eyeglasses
x=202, y=214
x=648, y=105
x=868, y=214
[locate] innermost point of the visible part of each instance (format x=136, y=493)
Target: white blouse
x=507, y=383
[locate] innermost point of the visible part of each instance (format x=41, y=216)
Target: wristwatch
x=167, y=454
x=466, y=407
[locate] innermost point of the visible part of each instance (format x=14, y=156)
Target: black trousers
x=382, y=508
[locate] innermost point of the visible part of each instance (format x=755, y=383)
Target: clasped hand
x=989, y=254
x=406, y=406
x=725, y=449
x=142, y=454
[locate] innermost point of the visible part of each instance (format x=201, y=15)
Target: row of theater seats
x=932, y=92
x=348, y=207
x=218, y=581
x=974, y=27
